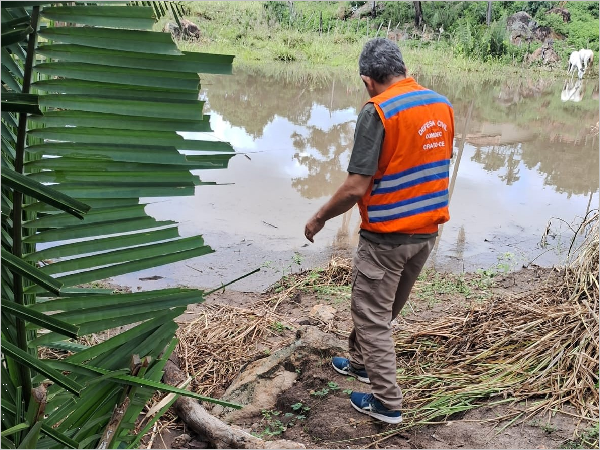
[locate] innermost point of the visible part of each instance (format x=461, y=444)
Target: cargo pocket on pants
x=366, y=280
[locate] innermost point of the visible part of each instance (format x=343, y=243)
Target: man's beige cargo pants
x=383, y=276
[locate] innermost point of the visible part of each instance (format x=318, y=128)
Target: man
x=398, y=174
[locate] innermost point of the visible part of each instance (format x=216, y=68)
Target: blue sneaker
x=368, y=404
x=343, y=366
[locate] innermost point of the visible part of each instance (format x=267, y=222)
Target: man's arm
x=344, y=198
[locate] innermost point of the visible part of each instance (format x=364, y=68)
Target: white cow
x=575, y=62
x=587, y=57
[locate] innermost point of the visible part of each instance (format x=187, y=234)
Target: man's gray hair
x=381, y=60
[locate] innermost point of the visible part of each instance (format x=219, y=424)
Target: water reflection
x=572, y=90
x=325, y=154
x=522, y=156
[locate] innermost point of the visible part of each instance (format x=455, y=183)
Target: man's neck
x=382, y=87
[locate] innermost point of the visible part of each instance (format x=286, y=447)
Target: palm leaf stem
x=24, y=372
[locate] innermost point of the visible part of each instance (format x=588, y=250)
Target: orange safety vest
x=409, y=191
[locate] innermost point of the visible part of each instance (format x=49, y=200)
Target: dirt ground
x=316, y=410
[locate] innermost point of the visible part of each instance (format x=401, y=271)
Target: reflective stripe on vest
x=401, y=102
x=410, y=207
x=416, y=175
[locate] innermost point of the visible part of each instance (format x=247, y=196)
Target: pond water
x=526, y=153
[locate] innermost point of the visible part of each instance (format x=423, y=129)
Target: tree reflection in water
x=530, y=125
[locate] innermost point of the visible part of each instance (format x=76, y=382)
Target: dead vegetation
x=536, y=351
x=220, y=341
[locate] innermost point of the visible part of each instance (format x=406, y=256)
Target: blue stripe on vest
x=425, y=179
x=409, y=207
x=436, y=170
x=403, y=99
x=407, y=95
x=416, y=102
x=410, y=213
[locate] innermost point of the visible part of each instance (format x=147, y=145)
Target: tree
x=418, y=14
x=89, y=125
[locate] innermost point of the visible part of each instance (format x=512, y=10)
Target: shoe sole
x=352, y=374
x=386, y=419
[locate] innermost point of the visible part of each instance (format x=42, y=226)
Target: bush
x=278, y=11
x=480, y=41
x=397, y=12
x=494, y=40
x=555, y=22
x=464, y=38
x=283, y=53
x=584, y=35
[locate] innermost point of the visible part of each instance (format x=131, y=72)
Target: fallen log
x=217, y=432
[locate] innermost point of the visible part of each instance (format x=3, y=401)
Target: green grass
x=588, y=439
x=432, y=286
x=250, y=31
x=314, y=282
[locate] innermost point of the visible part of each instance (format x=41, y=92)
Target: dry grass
x=537, y=350
x=219, y=342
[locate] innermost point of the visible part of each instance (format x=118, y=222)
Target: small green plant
x=280, y=327
x=332, y=385
x=347, y=391
x=268, y=265
x=547, y=427
x=277, y=422
x=433, y=284
x=588, y=439
x=297, y=258
x=299, y=407
x=274, y=426
x=320, y=393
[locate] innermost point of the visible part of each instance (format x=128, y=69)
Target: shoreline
x=258, y=40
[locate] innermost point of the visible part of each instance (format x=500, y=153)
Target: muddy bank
x=271, y=352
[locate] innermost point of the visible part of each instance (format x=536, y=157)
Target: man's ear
x=369, y=83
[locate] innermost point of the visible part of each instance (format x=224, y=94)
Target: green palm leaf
x=141, y=18
x=90, y=123
x=44, y=193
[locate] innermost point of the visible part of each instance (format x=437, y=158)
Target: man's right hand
x=313, y=226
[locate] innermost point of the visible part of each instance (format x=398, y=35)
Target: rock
x=519, y=26
x=305, y=321
x=315, y=339
x=545, y=34
x=181, y=441
x=188, y=30
x=172, y=28
x=545, y=55
x=260, y=383
x=196, y=443
x=367, y=10
x=344, y=12
x=522, y=27
x=322, y=312
x=566, y=15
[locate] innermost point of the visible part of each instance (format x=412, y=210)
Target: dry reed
x=221, y=340
x=537, y=351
